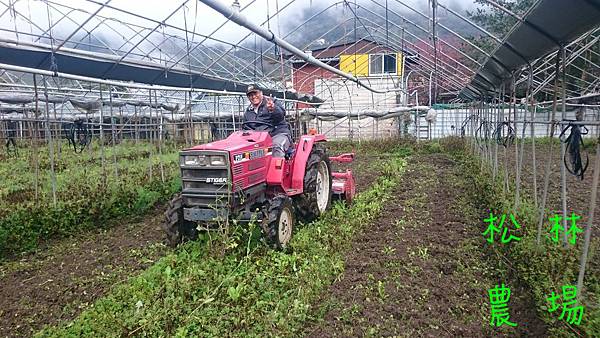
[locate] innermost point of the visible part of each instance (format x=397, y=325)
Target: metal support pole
x=160, y=137
x=137, y=125
x=104, y=178
x=34, y=141
x=191, y=121
x=214, y=137
x=497, y=115
x=549, y=164
x=590, y=222
x=489, y=117
x=50, y=145
x=435, y=52
x=528, y=100
x=506, y=186
x=112, y=131
x=563, y=169
x=517, y=157
x=532, y=131
x=151, y=144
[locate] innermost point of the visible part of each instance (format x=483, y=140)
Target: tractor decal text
x=216, y=180
x=248, y=155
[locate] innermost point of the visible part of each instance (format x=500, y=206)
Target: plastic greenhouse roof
x=547, y=26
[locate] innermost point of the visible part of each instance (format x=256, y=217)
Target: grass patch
x=87, y=195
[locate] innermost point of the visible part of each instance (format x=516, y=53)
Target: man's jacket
x=276, y=118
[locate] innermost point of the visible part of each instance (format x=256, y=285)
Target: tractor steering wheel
x=246, y=125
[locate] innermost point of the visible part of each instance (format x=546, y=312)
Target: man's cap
x=252, y=88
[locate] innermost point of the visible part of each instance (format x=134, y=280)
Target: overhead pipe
x=236, y=17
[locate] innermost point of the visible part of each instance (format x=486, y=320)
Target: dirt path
x=421, y=270
x=60, y=281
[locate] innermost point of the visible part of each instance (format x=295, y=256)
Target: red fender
x=290, y=174
x=343, y=158
x=303, y=149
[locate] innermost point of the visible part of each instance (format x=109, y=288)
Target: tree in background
x=496, y=21
x=580, y=73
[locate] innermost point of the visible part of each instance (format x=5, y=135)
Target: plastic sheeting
x=307, y=114
x=86, y=105
x=82, y=103
x=332, y=115
x=101, y=66
x=26, y=99
x=16, y=99
x=548, y=25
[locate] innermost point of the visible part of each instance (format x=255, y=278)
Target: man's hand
x=270, y=104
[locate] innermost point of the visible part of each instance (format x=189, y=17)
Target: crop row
x=542, y=267
x=88, y=191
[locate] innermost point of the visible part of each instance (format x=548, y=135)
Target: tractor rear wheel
x=176, y=228
x=316, y=197
x=279, y=221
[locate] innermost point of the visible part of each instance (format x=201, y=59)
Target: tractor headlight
x=194, y=160
x=217, y=160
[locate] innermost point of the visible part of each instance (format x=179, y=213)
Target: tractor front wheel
x=316, y=196
x=280, y=221
x=176, y=228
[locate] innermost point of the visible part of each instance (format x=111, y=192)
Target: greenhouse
x=285, y=168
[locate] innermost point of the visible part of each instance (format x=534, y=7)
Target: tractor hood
x=237, y=141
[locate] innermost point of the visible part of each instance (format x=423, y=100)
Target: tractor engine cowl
x=205, y=177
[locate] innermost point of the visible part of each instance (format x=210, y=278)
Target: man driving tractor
x=236, y=178
x=268, y=115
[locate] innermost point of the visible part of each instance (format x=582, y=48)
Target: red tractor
x=237, y=178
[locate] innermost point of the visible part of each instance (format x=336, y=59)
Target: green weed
x=542, y=268
x=246, y=290
x=86, y=194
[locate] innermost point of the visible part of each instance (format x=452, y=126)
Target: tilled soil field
x=420, y=270
x=64, y=277
x=61, y=280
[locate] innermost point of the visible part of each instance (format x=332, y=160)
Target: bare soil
x=421, y=270
x=58, y=282
x=578, y=191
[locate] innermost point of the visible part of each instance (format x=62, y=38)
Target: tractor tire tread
x=172, y=220
x=307, y=202
x=175, y=227
x=276, y=204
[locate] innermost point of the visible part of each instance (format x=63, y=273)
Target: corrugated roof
x=548, y=25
